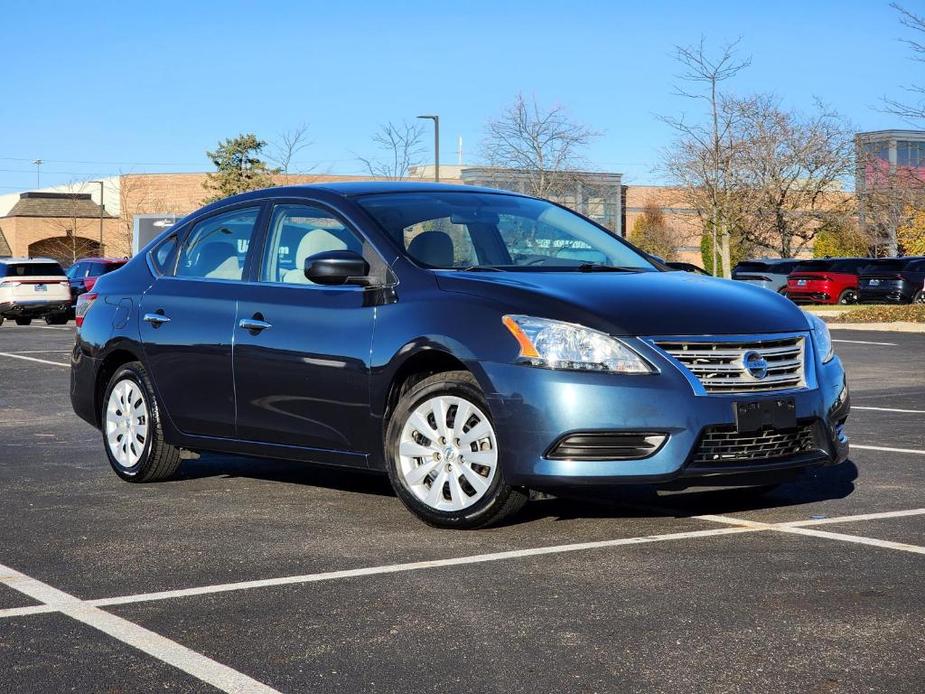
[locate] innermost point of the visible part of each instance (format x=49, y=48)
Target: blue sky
x=98, y=88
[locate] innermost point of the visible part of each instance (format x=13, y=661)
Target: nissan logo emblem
x=756, y=365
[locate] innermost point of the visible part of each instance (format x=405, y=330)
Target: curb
x=894, y=327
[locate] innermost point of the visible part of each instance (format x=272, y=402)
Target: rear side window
x=31, y=269
x=216, y=248
x=162, y=255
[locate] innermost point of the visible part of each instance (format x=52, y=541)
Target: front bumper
x=31, y=309
x=534, y=408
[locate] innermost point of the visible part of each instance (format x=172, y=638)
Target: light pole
x=436, y=120
x=38, y=163
x=101, y=215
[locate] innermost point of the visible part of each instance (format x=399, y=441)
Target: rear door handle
x=155, y=319
x=253, y=324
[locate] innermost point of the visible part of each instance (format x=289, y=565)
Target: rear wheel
x=848, y=296
x=919, y=297
x=23, y=321
x=56, y=318
x=442, y=455
x=132, y=433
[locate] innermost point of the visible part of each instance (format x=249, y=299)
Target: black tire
x=848, y=296
x=56, y=318
x=499, y=500
x=158, y=460
x=2, y=319
x=23, y=321
x=919, y=297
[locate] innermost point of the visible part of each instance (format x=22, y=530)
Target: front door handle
x=155, y=319
x=253, y=324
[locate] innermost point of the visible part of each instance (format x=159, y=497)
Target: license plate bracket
x=41, y=287
x=755, y=415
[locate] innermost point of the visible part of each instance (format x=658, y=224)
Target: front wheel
x=56, y=318
x=442, y=455
x=132, y=433
x=23, y=321
x=849, y=296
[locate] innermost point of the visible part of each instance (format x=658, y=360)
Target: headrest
x=433, y=248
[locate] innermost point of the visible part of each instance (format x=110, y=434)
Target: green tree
x=739, y=249
x=652, y=234
x=840, y=241
x=238, y=167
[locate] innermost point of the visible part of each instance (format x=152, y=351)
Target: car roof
x=27, y=260
x=354, y=188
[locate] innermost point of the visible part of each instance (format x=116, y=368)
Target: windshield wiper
x=597, y=267
x=480, y=268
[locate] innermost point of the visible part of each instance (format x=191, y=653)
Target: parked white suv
x=31, y=288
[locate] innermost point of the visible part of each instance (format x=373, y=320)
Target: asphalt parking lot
x=255, y=575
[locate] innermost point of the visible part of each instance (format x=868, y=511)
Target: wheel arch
x=114, y=359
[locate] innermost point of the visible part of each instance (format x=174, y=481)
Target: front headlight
x=822, y=338
x=556, y=345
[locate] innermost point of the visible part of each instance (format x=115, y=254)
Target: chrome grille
x=720, y=366
x=721, y=445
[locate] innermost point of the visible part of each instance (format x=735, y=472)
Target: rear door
x=188, y=319
x=303, y=379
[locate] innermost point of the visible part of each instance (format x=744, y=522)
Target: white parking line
x=865, y=342
x=887, y=409
x=39, y=351
x=155, y=645
x=887, y=449
x=40, y=361
x=852, y=519
x=799, y=530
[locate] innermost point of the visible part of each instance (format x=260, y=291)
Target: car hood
x=643, y=303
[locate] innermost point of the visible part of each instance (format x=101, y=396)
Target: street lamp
x=101, y=215
x=38, y=163
x=436, y=120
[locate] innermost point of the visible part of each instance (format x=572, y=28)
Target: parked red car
x=825, y=281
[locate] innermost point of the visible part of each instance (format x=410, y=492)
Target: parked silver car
x=770, y=273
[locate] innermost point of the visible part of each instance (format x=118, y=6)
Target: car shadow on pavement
x=273, y=470
x=630, y=501
x=822, y=484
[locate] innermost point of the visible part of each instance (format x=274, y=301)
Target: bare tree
x=910, y=110
x=543, y=145
x=889, y=197
x=789, y=169
x=76, y=230
x=701, y=159
x=400, y=146
x=289, y=143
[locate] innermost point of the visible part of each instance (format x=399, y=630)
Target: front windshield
x=461, y=230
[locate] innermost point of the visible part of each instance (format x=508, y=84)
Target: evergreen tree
x=238, y=168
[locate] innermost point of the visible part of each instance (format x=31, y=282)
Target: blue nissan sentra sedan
x=473, y=344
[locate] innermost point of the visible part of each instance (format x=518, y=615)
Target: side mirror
x=337, y=267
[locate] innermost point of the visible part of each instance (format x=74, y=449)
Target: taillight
x=84, y=302
x=89, y=282
x=9, y=284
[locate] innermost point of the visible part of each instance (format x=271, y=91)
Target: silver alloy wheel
x=126, y=423
x=448, y=453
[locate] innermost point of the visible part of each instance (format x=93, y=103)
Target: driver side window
x=298, y=232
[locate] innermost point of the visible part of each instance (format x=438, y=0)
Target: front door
x=301, y=350
x=188, y=318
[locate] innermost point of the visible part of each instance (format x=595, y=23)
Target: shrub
x=914, y=313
